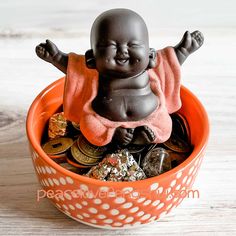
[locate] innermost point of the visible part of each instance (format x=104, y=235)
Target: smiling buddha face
x=120, y=45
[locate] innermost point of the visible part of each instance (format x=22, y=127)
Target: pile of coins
x=85, y=153
x=66, y=145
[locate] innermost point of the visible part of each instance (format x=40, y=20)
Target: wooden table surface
x=210, y=73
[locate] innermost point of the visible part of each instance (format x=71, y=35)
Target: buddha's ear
x=90, y=59
x=152, y=58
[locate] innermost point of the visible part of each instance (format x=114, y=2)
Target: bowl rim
x=136, y=184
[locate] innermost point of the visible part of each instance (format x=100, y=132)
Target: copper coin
x=57, y=146
x=57, y=156
x=70, y=159
x=176, y=144
x=81, y=157
x=72, y=168
x=176, y=158
x=89, y=149
x=181, y=126
x=187, y=129
x=60, y=158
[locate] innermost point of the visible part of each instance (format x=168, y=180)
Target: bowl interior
x=50, y=99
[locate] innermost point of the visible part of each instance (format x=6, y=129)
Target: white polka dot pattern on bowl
x=131, y=208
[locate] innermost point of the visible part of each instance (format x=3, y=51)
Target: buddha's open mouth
x=121, y=61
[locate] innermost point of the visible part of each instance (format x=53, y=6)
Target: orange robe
x=81, y=88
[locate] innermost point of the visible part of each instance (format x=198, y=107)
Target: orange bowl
x=113, y=204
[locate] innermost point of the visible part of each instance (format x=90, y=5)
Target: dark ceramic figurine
x=128, y=90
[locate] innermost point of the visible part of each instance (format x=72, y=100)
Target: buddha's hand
x=47, y=51
x=189, y=44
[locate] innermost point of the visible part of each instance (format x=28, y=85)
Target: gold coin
x=81, y=157
x=57, y=146
x=70, y=159
x=176, y=144
x=89, y=149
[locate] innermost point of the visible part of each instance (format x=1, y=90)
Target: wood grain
x=210, y=74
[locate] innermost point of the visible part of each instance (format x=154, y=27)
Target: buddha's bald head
x=120, y=24
x=120, y=44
